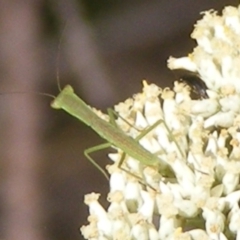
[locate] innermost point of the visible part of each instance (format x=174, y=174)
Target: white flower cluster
x=194, y=192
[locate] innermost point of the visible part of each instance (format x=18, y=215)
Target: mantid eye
x=192, y=79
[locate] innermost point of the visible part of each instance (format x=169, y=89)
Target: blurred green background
x=107, y=48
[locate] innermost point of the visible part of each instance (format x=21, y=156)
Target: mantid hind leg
x=95, y=149
x=143, y=134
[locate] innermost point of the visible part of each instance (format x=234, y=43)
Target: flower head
x=193, y=193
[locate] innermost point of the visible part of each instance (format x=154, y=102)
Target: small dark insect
x=192, y=79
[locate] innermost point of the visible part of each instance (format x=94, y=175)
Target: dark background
x=107, y=48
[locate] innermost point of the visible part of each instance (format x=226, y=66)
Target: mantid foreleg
x=112, y=113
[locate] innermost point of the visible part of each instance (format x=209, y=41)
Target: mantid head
x=58, y=101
